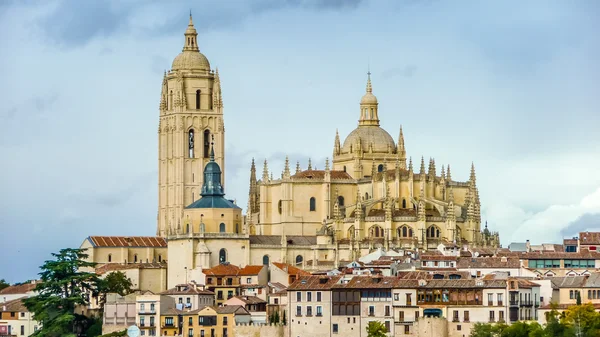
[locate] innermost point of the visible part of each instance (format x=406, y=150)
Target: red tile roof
x=320, y=174
x=250, y=270
x=222, y=270
x=14, y=306
x=314, y=283
x=19, y=289
x=589, y=238
x=110, y=267
x=290, y=269
x=488, y=262
x=127, y=241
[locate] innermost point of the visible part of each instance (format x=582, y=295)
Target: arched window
x=222, y=228
x=313, y=204
x=197, y=99
x=222, y=255
x=237, y=228
x=299, y=259
x=191, y=143
x=433, y=232
x=206, y=143
x=403, y=203
x=376, y=231
x=366, y=196
x=351, y=232
x=380, y=168
x=266, y=260
x=134, y=258
x=171, y=100
x=109, y=257
x=344, y=168
x=405, y=232
x=279, y=206
x=159, y=258
x=187, y=228
x=340, y=201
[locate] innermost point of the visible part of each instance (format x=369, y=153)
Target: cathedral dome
x=190, y=60
x=368, y=98
x=369, y=135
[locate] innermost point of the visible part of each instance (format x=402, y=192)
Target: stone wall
x=432, y=326
x=259, y=330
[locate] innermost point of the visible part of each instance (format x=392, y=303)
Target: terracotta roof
x=19, y=289
x=127, y=241
x=526, y=284
x=173, y=311
x=293, y=240
x=222, y=270
x=314, y=283
x=14, y=306
x=290, y=269
x=366, y=282
x=428, y=275
x=250, y=270
x=186, y=289
x=465, y=253
x=584, y=254
x=589, y=238
x=488, y=262
x=250, y=299
x=110, y=267
x=320, y=174
x=438, y=258
x=277, y=285
x=232, y=309
x=570, y=242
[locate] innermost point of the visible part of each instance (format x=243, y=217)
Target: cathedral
x=367, y=197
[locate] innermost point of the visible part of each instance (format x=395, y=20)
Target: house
x=480, y=266
x=224, y=281
x=16, y=320
x=148, y=311
x=190, y=296
x=254, y=281
x=151, y=276
x=214, y=321
x=21, y=290
x=119, y=312
x=256, y=306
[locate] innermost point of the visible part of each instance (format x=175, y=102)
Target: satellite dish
x=476, y=254
x=133, y=331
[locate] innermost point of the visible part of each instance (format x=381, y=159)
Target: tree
x=276, y=317
x=64, y=286
x=116, y=282
x=376, y=329
x=3, y=284
x=284, y=319
x=578, y=297
x=488, y=330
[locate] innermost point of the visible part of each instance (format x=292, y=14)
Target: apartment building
x=254, y=281
x=16, y=320
x=148, y=309
x=310, y=306
x=190, y=296
x=224, y=281
x=213, y=321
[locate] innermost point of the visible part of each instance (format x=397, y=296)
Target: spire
x=326, y=164
x=472, y=178
x=401, y=149
x=265, y=175
x=212, y=148
x=337, y=144
x=410, y=165
x=298, y=167
x=448, y=175
x=286, y=169
x=309, y=165
x=252, y=172
x=422, y=171
x=217, y=95
x=368, y=106
x=443, y=173
x=190, y=37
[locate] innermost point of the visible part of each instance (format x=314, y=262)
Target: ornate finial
x=450, y=194
x=212, y=148
x=410, y=165
x=472, y=177
x=443, y=174
x=298, y=167
x=191, y=23
x=265, y=176
x=271, y=175
x=422, y=171
x=448, y=175
x=286, y=169
x=326, y=164
x=369, y=86
x=309, y=165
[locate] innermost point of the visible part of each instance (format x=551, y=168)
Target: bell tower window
x=191, y=143
x=206, y=143
x=197, y=99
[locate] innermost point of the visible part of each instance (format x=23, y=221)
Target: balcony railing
x=147, y=312
x=500, y=303
x=526, y=303
x=514, y=303
x=537, y=304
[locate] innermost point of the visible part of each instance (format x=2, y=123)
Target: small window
x=313, y=204
x=135, y=259
x=266, y=260
x=279, y=206
x=109, y=257
x=334, y=328
x=159, y=258
x=222, y=255
x=380, y=168
x=222, y=228
x=403, y=203
x=197, y=99
x=340, y=201
x=206, y=143
x=237, y=228
x=299, y=259
x=191, y=143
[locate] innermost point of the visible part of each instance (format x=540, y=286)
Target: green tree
x=64, y=286
x=376, y=329
x=116, y=282
x=284, y=319
x=3, y=284
x=487, y=330
x=578, y=296
x=276, y=317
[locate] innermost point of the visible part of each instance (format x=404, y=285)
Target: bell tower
x=191, y=116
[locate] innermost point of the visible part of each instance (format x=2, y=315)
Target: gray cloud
x=586, y=222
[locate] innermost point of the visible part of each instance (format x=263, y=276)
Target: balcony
x=537, y=304
x=147, y=312
x=514, y=303
x=500, y=303
x=526, y=303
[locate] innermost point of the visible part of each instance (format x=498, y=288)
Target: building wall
x=259, y=330
x=309, y=325
x=15, y=323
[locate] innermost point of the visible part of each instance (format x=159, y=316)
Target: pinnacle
x=309, y=164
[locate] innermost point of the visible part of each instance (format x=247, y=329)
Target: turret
x=253, y=201
x=368, y=106
x=401, y=150
x=336, y=145
x=217, y=96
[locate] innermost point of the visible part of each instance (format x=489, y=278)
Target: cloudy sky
x=510, y=85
